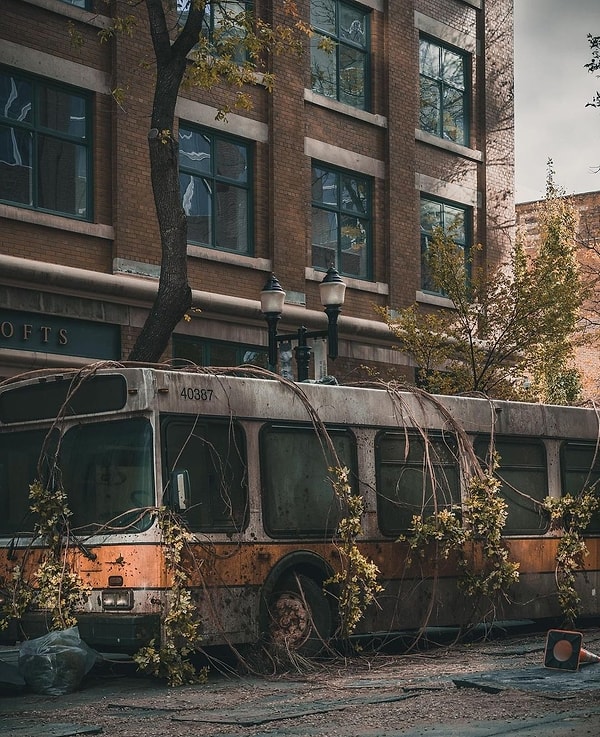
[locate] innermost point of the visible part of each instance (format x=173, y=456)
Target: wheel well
x=299, y=562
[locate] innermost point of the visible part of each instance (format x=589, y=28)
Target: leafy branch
x=357, y=578
x=180, y=622
x=570, y=515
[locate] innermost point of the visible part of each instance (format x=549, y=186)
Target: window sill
x=73, y=12
x=57, y=221
x=434, y=299
x=361, y=285
x=455, y=148
x=339, y=107
x=226, y=257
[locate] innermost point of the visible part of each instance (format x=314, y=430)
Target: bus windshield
x=106, y=469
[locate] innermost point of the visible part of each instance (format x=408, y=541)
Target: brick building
x=587, y=206
x=351, y=161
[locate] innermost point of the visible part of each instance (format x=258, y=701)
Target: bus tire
x=300, y=618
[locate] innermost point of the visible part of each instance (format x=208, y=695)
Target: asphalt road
x=479, y=690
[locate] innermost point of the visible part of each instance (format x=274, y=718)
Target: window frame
x=503, y=440
x=205, y=346
x=209, y=26
x=208, y=426
x=36, y=130
x=82, y=490
x=442, y=86
x=267, y=463
x=593, y=474
x=215, y=137
x=414, y=438
x=340, y=213
x=425, y=236
x=340, y=44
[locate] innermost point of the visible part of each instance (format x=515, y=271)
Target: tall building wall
x=97, y=273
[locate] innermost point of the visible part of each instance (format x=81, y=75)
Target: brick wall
x=384, y=144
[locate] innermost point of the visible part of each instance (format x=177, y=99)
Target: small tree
x=508, y=334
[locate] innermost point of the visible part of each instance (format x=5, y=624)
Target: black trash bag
x=56, y=663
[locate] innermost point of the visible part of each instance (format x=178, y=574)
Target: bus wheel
x=300, y=617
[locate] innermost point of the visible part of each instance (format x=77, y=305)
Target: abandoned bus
x=239, y=458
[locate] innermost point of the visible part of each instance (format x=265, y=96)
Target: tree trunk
x=174, y=295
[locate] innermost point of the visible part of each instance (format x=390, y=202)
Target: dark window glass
x=223, y=25
x=523, y=472
x=298, y=496
x=216, y=353
x=216, y=192
x=580, y=469
x=108, y=470
x=49, y=399
x=452, y=219
x=416, y=475
x=19, y=457
x=342, y=72
x=214, y=455
x=45, y=146
x=444, y=97
x=341, y=222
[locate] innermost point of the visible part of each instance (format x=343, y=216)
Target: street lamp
x=332, y=290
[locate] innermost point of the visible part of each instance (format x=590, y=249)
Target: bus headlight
x=121, y=599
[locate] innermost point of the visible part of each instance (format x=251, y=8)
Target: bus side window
x=417, y=474
x=523, y=471
x=213, y=455
x=298, y=495
x=579, y=470
x=19, y=458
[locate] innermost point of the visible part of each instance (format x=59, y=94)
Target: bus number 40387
x=197, y=394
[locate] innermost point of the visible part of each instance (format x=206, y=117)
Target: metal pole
x=272, y=319
x=333, y=312
x=302, y=351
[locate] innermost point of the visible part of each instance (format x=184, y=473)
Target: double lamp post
x=332, y=290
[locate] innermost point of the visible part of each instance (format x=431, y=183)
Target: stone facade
x=103, y=270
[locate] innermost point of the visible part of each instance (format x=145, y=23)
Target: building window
x=188, y=349
x=84, y=4
x=216, y=189
x=339, y=60
x=451, y=218
x=341, y=222
x=444, y=97
x=45, y=145
x=223, y=24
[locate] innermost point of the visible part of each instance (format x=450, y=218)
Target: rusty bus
x=239, y=458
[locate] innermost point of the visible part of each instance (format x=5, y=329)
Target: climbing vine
x=181, y=635
x=480, y=519
x=56, y=588
x=444, y=529
x=484, y=515
x=570, y=515
x=357, y=578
